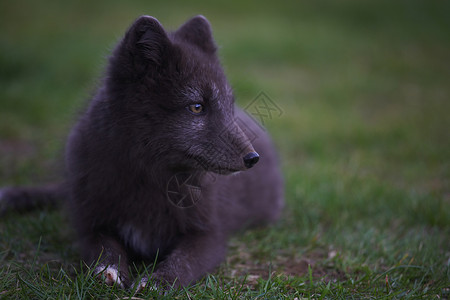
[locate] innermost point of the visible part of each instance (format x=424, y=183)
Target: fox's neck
x=161, y=177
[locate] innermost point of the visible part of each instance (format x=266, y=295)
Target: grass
x=364, y=90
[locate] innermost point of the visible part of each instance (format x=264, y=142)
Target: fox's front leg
x=109, y=258
x=192, y=258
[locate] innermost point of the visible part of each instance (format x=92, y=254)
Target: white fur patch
x=215, y=91
x=134, y=238
x=109, y=274
x=229, y=90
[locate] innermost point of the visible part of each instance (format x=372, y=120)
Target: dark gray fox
x=154, y=166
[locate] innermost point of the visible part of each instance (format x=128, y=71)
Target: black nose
x=250, y=159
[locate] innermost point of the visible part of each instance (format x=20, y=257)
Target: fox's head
x=169, y=91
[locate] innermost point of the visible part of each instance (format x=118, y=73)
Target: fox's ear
x=146, y=39
x=197, y=31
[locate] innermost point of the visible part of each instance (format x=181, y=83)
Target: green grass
x=364, y=139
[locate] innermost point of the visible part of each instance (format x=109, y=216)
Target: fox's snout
x=243, y=145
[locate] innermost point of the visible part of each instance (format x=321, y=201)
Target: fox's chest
x=147, y=229
x=153, y=227
x=147, y=241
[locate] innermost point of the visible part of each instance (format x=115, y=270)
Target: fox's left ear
x=197, y=31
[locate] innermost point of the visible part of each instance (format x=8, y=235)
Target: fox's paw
x=142, y=285
x=109, y=275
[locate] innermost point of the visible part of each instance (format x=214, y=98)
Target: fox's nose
x=250, y=159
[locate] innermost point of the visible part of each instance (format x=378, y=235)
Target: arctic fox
x=162, y=166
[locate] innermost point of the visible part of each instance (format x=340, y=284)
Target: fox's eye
x=195, y=108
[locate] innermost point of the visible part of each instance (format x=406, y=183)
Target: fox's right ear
x=146, y=40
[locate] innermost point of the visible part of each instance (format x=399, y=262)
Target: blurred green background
x=364, y=87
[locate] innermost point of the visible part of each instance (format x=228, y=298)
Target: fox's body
x=153, y=165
